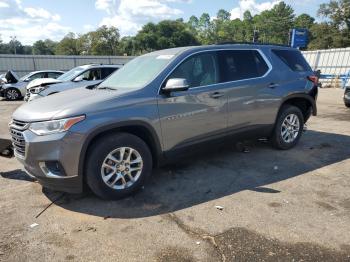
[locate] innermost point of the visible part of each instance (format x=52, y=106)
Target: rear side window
x=293, y=59
x=53, y=74
x=241, y=64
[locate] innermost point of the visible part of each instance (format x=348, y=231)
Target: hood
x=42, y=82
x=17, y=85
x=73, y=102
x=9, y=78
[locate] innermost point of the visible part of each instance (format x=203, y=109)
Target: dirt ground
x=276, y=205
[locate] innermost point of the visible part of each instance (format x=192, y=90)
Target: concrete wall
x=23, y=64
x=330, y=61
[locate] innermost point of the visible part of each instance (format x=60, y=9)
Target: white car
x=81, y=76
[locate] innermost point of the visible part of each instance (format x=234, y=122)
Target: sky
x=32, y=20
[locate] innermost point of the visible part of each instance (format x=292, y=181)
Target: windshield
x=71, y=74
x=137, y=73
x=25, y=77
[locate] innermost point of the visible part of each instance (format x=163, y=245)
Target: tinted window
x=293, y=59
x=241, y=64
x=53, y=74
x=107, y=71
x=198, y=70
x=35, y=76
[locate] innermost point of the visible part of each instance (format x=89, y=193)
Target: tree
x=274, y=24
x=46, y=47
x=165, y=34
x=69, y=45
x=223, y=15
x=338, y=11
x=105, y=41
x=304, y=21
x=247, y=16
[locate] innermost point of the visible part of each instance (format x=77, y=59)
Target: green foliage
x=69, y=45
x=46, y=47
x=272, y=26
x=338, y=12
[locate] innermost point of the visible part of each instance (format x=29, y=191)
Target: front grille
x=18, y=141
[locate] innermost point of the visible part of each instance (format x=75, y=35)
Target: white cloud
x=252, y=6
x=129, y=16
x=3, y=5
x=29, y=24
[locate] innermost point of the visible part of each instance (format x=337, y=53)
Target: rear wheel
x=347, y=104
x=118, y=165
x=13, y=94
x=288, y=128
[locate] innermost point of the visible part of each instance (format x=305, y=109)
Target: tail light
x=313, y=79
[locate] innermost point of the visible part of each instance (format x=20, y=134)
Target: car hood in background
x=9, y=77
x=42, y=82
x=73, y=102
x=17, y=85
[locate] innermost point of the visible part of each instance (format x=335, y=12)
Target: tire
x=277, y=139
x=99, y=155
x=12, y=94
x=347, y=104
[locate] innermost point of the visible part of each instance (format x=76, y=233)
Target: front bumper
x=32, y=97
x=63, y=149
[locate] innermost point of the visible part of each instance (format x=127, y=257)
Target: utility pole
x=14, y=42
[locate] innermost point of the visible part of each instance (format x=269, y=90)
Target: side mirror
x=176, y=84
x=79, y=78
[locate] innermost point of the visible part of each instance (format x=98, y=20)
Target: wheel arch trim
x=110, y=127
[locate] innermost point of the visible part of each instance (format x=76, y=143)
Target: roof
x=228, y=45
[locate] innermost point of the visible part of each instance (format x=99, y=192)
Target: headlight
x=54, y=126
x=37, y=90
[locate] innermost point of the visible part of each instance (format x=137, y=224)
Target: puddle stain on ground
x=240, y=244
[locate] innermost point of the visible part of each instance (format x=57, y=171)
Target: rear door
x=245, y=74
x=191, y=116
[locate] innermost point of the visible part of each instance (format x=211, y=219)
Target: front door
x=201, y=111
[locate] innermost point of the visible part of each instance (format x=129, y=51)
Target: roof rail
x=248, y=43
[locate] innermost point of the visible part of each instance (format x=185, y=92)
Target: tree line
x=270, y=26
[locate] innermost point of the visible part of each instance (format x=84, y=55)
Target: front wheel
x=118, y=165
x=13, y=94
x=288, y=128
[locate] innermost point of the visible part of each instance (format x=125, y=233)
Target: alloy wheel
x=12, y=94
x=121, y=168
x=290, y=128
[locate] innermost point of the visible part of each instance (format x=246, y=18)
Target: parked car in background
x=158, y=106
x=9, y=77
x=86, y=75
x=347, y=96
x=16, y=88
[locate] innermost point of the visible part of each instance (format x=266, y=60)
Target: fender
x=109, y=127
x=304, y=96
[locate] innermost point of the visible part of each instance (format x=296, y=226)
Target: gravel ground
x=276, y=205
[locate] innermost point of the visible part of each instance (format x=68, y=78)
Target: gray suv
x=110, y=137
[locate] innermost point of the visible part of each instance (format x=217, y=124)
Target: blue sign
x=299, y=38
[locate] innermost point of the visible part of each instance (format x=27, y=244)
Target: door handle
x=273, y=85
x=216, y=95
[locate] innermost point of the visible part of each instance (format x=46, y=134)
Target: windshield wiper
x=106, y=88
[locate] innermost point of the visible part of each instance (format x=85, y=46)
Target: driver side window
x=91, y=75
x=198, y=70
